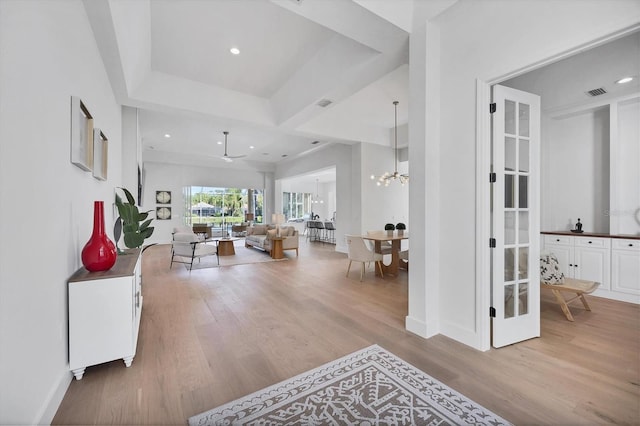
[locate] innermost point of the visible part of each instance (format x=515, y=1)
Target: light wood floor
x=213, y=335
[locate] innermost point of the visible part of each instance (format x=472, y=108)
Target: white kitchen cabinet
x=104, y=314
x=611, y=260
x=625, y=266
x=585, y=258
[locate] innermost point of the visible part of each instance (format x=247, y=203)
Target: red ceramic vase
x=99, y=254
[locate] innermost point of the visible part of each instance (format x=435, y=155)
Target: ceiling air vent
x=324, y=103
x=597, y=92
x=315, y=142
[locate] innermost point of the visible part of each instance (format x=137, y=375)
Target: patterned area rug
x=368, y=387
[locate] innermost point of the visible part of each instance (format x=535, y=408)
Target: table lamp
x=277, y=218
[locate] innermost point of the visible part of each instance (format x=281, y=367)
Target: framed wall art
x=100, y=154
x=163, y=213
x=163, y=197
x=81, y=135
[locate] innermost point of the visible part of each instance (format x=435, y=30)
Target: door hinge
x=492, y=242
x=492, y=108
x=492, y=312
x=492, y=177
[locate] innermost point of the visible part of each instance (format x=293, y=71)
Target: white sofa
x=260, y=236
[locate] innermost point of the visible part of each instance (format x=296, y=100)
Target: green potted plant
x=389, y=227
x=131, y=222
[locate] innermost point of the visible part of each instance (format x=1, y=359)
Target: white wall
x=380, y=204
x=47, y=54
x=346, y=160
x=576, y=172
x=173, y=177
x=486, y=40
x=625, y=200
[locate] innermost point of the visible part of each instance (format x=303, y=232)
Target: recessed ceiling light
x=167, y=135
x=234, y=50
x=251, y=147
x=219, y=142
x=624, y=80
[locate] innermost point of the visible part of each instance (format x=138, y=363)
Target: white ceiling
x=171, y=59
x=564, y=84
x=192, y=40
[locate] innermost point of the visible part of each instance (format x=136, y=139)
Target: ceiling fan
x=226, y=157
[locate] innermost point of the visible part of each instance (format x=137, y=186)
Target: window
x=296, y=205
x=221, y=206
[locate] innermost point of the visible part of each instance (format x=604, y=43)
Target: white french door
x=515, y=216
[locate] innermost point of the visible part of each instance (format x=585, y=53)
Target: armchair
x=187, y=247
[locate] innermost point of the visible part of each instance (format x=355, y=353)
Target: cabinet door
x=592, y=264
x=137, y=302
x=100, y=324
x=625, y=266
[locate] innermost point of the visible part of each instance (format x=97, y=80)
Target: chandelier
x=317, y=199
x=388, y=177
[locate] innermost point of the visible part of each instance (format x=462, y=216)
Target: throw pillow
x=259, y=230
x=550, y=269
x=271, y=233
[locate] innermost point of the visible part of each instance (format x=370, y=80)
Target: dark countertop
x=591, y=234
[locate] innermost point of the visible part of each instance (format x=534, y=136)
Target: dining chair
x=359, y=252
x=404, y=258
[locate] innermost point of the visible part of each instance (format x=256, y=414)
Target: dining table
x=395, y=237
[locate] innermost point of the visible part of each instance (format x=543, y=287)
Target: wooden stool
x=571, y=285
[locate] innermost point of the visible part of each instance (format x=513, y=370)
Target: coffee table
x=225, y=246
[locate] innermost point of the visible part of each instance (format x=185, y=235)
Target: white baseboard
x=419, y=327
x=50, y=406
x=616, y=295
x=342, y=248
x=462, y=335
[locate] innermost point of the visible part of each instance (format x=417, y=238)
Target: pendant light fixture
x=387, y=177
x=317, y=199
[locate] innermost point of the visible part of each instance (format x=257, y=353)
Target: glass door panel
x=523, y=227
x=510, y=117
x=509, y=228
x=523, y=119
x=523, y=189
x=510, y=154
x=509, y=192
x=523, y=159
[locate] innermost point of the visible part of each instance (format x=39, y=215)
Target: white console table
x=104, y=313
